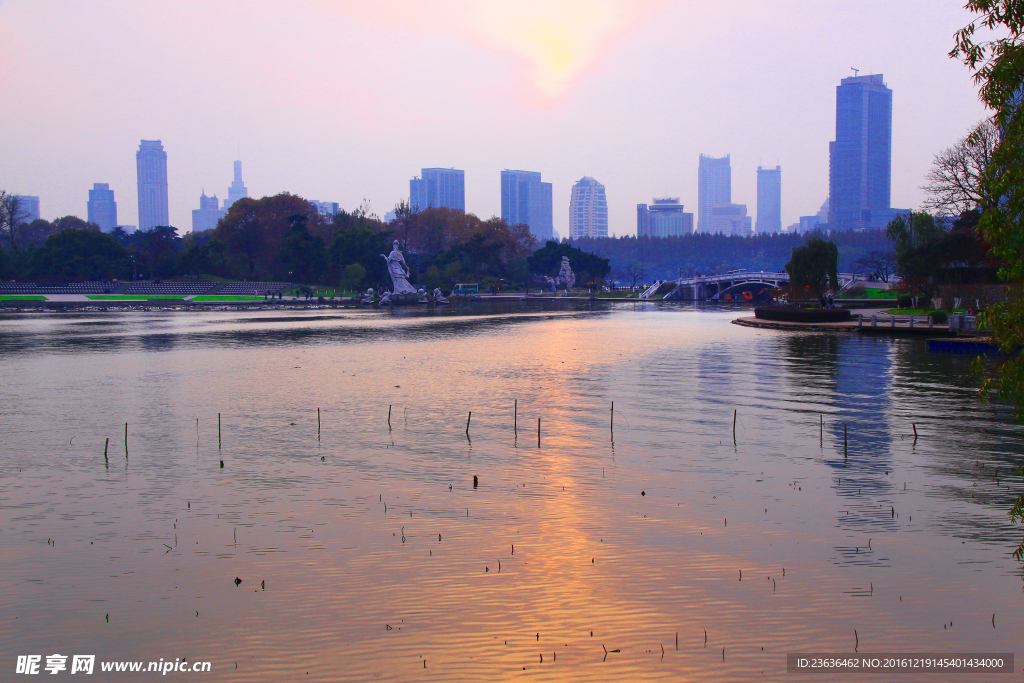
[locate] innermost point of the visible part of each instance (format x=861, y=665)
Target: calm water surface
x=364, y=550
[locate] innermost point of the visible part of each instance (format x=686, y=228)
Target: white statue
x=551, y=282
x=399, y=271
x=368, y=297
x=385, y=298
x=439, y=297
x=565, y=274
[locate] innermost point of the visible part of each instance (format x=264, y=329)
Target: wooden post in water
x=219, y=441
x=105, y=445
x=844, y=440
x=468, y=418
x=538, y=432
x=515, y=417
x=126, y=440
x=389, y=416
x=611, y=423
x=821, y=431
x=318, y=422
x=915, y=430
x=734, y=427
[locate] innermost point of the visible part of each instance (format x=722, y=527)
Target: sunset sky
x=345, y=101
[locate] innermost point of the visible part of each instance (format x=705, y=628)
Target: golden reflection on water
x=371, y=565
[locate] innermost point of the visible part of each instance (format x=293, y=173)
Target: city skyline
x=492, y=103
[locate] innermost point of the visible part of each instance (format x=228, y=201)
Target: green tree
x=352, y=277
x=814, y=268
x=155, y=247
x=302, y=256
x=998, y=66
x=362, y=244
x=590, y=269
x=77, y=254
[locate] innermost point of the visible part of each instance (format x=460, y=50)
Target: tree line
x=284, y=238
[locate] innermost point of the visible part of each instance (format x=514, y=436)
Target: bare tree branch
x=954, y=181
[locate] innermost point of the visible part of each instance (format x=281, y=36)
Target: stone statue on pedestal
x=399, y=271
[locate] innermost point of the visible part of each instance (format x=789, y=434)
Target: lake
x=640, y=544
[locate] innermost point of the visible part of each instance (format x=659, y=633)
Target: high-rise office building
x=324, y=208
x=769, y=200
x=525, y=200
x=151, y=168
x=729, y=219
x=208, y=213
x=714, y=188
x=238, y=190
x=860, y=158
x=663, y=218
x=102, y=208
x=438, y=187
x=588, y=209
x=28, y=207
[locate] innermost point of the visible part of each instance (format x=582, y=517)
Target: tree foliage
x=81, y=254
x=814, y=267
x=663, y=258
x=590, y=269
x=998, y=65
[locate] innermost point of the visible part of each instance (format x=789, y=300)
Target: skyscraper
x=665, y=217
x=769, y=200
x=525, y=200
x=729, y=219
x=438, y=187
x=860, y=159
x=102, y=208
x=28, y=207
x=238, y=190
x=151, y=168
x=588, y=209
x=208, y=213
x=714, y=188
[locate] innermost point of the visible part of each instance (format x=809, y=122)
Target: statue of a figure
x=551, y=282
x=399, y=271
x=385, y=298
x=565, y=274
x=368, y=297
x=439, y=297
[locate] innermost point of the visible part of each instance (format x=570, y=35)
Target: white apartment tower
x=588, y=209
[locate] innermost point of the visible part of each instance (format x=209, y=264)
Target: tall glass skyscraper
x=102, y=208
x=588, y=209
x=860, y=159
x=714, y=188
x=769, y=200
x=238, y=190
x=525, y=200
x=438, y=187
x=151, y=170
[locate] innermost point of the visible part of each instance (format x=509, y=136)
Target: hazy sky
x=345, y=101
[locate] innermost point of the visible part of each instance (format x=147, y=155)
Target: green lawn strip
x=21, y=297
x=917, y=311
x=132, y=297
x=215, y=297
x=872, y=294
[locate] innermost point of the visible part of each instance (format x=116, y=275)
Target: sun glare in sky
x=556, y=40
